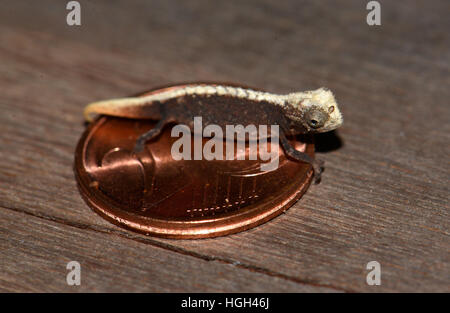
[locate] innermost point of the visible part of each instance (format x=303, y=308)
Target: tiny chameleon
x=296, y=113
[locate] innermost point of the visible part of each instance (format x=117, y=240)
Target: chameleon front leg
x=302, y=157
x=152, y=133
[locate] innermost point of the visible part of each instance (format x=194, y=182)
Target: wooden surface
x=383, y=196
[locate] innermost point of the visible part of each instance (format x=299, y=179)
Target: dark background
x=383, y=196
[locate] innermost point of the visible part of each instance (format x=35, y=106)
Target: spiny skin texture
x=295, y=113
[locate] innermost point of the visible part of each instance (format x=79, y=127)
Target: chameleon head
x=316, y=111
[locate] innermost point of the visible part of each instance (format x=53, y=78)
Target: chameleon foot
x=153, y=133
x=290, y=151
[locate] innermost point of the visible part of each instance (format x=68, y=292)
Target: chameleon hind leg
x=152, y=133
x=302, y=157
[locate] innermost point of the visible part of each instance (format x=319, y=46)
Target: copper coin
x=154, y=194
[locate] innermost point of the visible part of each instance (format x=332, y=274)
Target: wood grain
x=383, y=196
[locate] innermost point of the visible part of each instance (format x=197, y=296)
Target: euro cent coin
x=152, y=193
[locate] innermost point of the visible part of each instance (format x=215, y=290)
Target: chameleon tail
x=137, y=108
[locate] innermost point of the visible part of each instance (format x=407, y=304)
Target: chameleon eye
x=331, y=109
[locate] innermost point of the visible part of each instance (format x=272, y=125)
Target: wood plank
x=36, y=251
x=384, y=194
